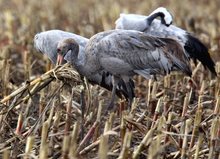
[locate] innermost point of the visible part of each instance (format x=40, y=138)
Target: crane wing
x=194, y=48
x=142, y=53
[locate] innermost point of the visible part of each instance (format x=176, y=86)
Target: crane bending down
x=194, y=48
x=125, y=53
x=46, y=42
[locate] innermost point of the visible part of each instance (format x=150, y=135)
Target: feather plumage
x=46, y=42
x=194, y=48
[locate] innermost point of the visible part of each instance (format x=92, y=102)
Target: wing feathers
x=177, y=55
x=144, y=52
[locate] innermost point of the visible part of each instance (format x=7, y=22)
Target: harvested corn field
x=49, y=111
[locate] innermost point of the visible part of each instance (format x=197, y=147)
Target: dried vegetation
x=40, y=113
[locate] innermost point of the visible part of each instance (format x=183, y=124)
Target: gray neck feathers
x=81, y=56
x=76, y=56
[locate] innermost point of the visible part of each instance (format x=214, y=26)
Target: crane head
x=64, y=46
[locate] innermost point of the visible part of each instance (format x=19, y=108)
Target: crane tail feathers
x=197, y=50
x=143, y=73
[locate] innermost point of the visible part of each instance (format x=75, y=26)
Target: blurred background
x=20, y=20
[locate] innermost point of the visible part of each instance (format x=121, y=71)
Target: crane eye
x=58, y=50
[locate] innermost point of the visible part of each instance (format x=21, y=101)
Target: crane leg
x=129, y=83
x=115, y=81
x=130, y=94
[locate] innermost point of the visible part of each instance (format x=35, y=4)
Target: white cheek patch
x=167, y=15
x=168, y=18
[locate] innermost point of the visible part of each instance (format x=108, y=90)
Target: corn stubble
x=55, y=115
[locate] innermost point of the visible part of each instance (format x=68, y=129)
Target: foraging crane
x=46, y=42
x=125, y=53
x=194, y=48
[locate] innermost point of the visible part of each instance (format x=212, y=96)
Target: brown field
x=40, y=114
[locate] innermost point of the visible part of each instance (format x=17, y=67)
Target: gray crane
x=46, y=43
x=125, y=53
x=194, y=48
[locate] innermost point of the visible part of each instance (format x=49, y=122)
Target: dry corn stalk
x=29, y=146
x=60, y=72
x=73, y=142
x=214, y=137
x=145, y=142
x=126, y=145
x=185, y=139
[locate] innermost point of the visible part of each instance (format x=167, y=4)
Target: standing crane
x=124, y=53
x=194, y=48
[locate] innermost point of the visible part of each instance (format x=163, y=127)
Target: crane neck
x=77, y=58
x=84, y=64
x=155, y=15
x=74, y=53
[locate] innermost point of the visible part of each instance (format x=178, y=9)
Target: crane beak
x=59, y=59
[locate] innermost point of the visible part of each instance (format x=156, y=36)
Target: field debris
x=51, y=112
